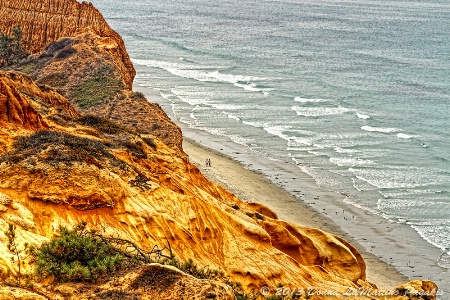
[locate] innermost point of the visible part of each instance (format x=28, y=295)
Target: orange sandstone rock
x=45, y=93
x=15, y=109
x=418, y=289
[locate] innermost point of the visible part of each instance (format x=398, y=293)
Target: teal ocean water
x=355, y=93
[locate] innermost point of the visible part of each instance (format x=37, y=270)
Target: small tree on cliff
x=19, y=253
x=12, y=47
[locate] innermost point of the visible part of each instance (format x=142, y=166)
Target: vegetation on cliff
x=77, y=256
x=12, y=48
x=81, y=255
x=102, y=86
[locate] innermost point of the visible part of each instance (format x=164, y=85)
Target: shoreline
x=249, y=186
x=394, y=253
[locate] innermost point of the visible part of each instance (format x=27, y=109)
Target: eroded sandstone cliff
x=15, y=109
x=43, y=22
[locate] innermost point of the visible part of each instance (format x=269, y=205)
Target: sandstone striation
x=43, y=22
x=44, y=93
x=16, y=109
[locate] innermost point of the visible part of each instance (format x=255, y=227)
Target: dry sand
x=253, y=187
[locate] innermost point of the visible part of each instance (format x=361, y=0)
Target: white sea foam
x=231, y=107
x=255, y=124
x=421, y=205
x=408, y=193
x=306, y=100
x=399, y=177
x=407, y=136
x=252, y=87
x=191, y=97
x=380, y=129
x=278, y=131
x=166, y=96
x=205, y=74
x=360, y=206
x=345, y=150
x=300, y=141
x=362, y=116
x=350, y=161
x=319, y=111
x=192, y=116
x=362, y=185
x=437, y=236
x=298, y=149
x=231, y=116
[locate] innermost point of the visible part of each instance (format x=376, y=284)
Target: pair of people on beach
x=208, y=162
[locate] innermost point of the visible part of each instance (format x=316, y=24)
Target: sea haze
x=356, y=93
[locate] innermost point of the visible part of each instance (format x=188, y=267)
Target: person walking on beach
x=208, y=162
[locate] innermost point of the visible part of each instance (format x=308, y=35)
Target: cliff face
x=77, y=53
x=43, y=22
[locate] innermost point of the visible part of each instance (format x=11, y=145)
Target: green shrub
x=20, y=253
x=12, y=47
x=240, y=293
x=55, y=147
x=102, y=125
x=135, y=148
x=76, y=256
x=55, y=79
x=26, y=67
x=117, y=295
x=104, y=85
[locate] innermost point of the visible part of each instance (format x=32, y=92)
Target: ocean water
x=355, y=93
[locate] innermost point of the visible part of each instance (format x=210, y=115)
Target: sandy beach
x=253, y=187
